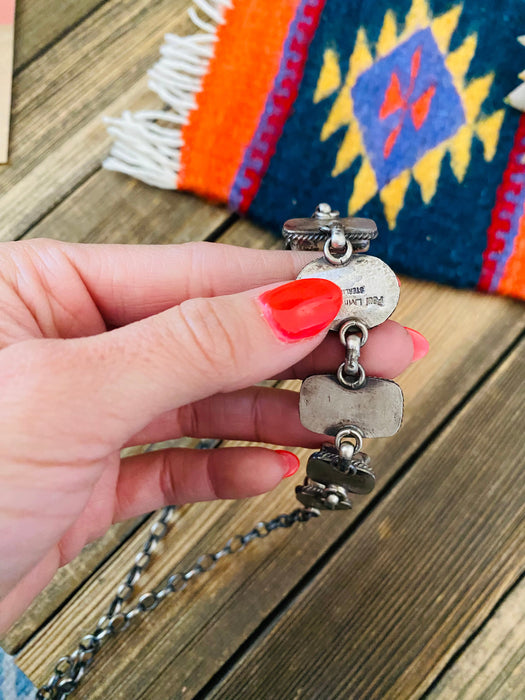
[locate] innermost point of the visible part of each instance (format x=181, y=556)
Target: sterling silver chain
x=69, y=670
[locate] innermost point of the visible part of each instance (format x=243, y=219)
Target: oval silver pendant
x=370, y=288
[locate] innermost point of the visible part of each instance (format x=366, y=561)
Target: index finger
x=131, y=282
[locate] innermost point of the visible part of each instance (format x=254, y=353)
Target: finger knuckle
x=190, y=419
x=210, y=336
x=195, y=255
x=42, y=244
x=168, y=485
x=256, y=413
x=218, y=483
x=197, y=250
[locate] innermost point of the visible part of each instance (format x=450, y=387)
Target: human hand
x=103, y=347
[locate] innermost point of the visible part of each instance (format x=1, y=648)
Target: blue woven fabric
x=404, y=108
x=14, y=685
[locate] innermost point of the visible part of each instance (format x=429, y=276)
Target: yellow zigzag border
x=427, y=170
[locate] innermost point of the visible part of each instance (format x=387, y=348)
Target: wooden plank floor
x=418, y=591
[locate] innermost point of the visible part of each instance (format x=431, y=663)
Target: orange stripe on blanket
x=241, y=73
x=513, y=281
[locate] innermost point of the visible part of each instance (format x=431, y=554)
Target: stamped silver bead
x=346, y=451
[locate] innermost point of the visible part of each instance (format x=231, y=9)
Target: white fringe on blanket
x=145, y=148
x=517, y=97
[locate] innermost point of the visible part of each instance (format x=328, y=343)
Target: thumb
x=206, y=346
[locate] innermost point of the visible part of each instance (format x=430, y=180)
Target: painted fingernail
x=291, y=460
x=302, y=308
x=419, y=342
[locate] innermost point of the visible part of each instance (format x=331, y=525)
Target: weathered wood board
x=492, y=666
x=7, y=44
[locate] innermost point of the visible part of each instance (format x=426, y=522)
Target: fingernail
x=302, y=308
x=419, y=342
x=291, y=460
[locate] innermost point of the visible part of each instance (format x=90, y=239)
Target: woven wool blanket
x=405, y=111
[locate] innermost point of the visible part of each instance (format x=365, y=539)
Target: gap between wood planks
x=58, y=139
x=34, y=18
x=438, y=688
x=325, y=559
x=30, y=51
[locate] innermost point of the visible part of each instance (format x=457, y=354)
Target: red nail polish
x=419, y=342
x=292, y=462
x=302, y=308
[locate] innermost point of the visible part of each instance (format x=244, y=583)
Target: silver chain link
x=353, y=335
x=69, y=670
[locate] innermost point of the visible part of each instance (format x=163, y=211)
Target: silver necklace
x=348, y=406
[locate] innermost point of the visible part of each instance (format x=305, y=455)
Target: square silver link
x=376, y=408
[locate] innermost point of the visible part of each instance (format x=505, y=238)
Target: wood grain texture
x=58, y=138
x=419, y=574
x=111, y=208
x=6, y=64
x=39, y=23
x=192, y=636
x=492, y=667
